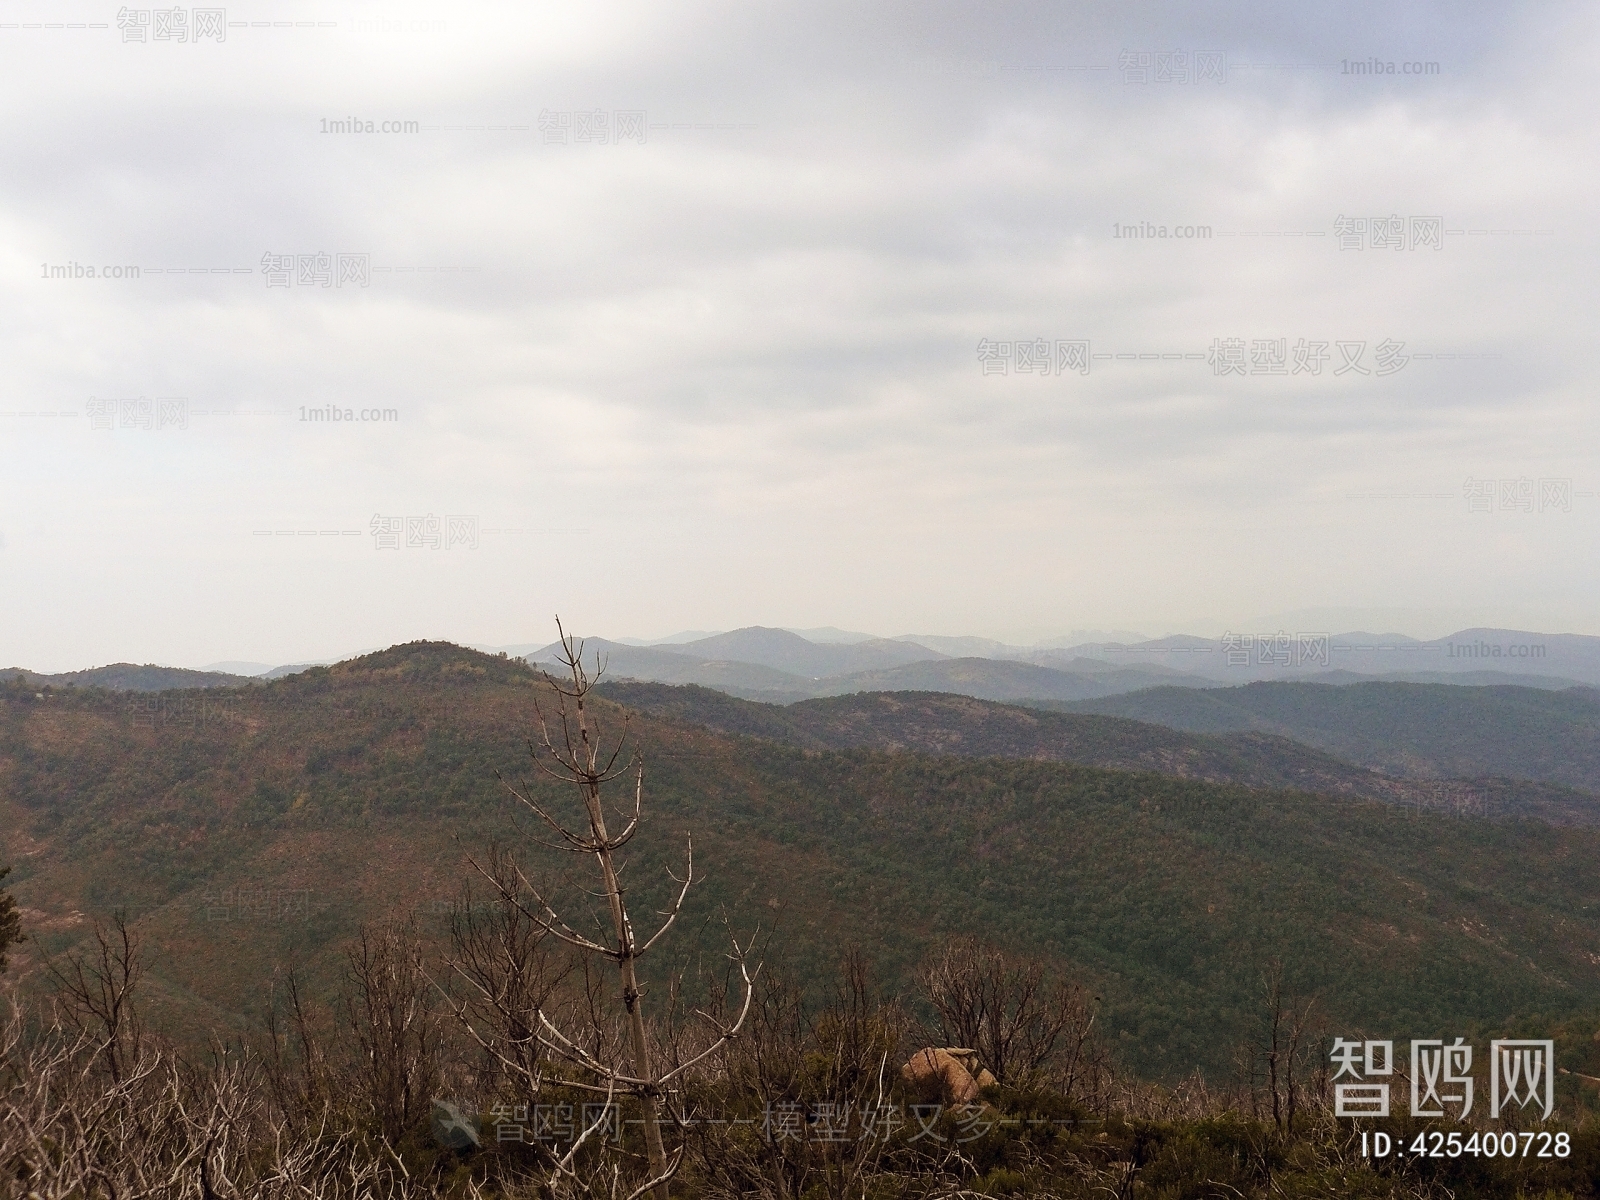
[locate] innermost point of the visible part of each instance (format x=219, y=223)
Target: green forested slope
x=940, y=723
x=261, y=830
x=1408, y=728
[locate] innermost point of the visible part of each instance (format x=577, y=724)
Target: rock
x=946, y=1072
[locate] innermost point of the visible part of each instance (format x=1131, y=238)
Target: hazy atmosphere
x=701, y=317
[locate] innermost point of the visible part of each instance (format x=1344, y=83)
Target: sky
x=699, y=316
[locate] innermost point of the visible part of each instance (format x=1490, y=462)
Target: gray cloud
x=741, y=357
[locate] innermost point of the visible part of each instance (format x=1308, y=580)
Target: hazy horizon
x=1292, y=623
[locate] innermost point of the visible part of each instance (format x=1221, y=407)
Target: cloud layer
x=726, y=370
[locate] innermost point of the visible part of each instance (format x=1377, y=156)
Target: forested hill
x=128, y=677
x=1417, y=729
x=247, y=831
x=940, y=723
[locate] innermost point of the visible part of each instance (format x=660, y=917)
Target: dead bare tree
x=299, y=1076
x=396, y=1026
x=94, y=992
x=512, y=970
x=92, y=1105
x=1274, y=1060
x=831, y=1070
x=592, y=1057
x=1285, y=1044
x=1006, y=1007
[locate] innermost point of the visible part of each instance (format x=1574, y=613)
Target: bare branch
x=672, y=913
x=651, y=1185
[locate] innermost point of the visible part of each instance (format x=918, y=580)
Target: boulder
x=949, y=1073
x=969, y=1060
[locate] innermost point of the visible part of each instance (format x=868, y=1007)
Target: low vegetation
x=388, y=1094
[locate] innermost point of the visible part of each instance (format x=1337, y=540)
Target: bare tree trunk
x=1275, y=1021
x=626, y=955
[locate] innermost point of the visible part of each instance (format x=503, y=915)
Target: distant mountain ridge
x=663, y=664
x=1250, y=655
x=785, y=651
x=780, y=666
x=1239, y=657
x=1000, y=679
x=787, y=665
x=984, y=678
x=129, y=677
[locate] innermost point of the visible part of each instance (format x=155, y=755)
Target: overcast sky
x=736, y=356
